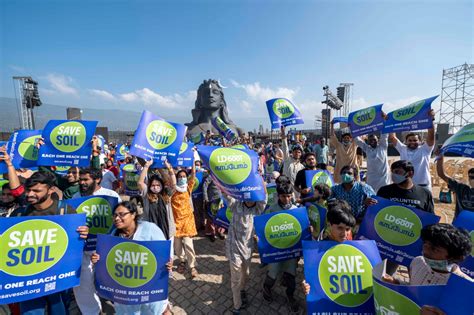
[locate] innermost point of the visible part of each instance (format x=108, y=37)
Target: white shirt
x=101, y=192
x=378, y=172
x=420, y=158
x=108, y=179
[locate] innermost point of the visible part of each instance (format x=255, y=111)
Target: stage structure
x=28, y=100
x=344, y=93
x=457, y=97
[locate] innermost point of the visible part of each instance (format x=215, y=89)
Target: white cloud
x=61, y=84
x=258, y=93
x=103, y=94
x=151, y=98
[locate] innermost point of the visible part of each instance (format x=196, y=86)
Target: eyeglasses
x=120, y=215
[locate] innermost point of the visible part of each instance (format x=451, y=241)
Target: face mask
x=182, y=182
x=198, y=168
x=346, y=142
x=398, y=179
x=346, y=178
x=440, y=265
x=287, y=206
x=155, y=189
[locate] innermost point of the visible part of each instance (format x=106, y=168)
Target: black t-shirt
x=417, y=197
x=300, y=181
x=464, y=196
x=52, y=210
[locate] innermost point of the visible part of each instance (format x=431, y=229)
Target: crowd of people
x=164, y=209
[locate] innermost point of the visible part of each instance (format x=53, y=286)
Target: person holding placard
x=128, y=225
x=417, y=153
x=300, y=181
x=183, y=214
x=464, y=193
x=378, y=173
x=346, y=153
x=291, y=163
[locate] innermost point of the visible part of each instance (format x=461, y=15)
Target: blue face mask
x=346, y=178
x=182, y=181
x=440, y=265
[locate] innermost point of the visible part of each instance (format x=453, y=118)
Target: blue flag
x=283, y=113
x=98, y=210
x=234, y=171
x=67, y=143
x=121, y=152
x=396, y=229
x=367, y=120
x=340, y=276
x=157, y=139
x=186, y=155
x=223, y=128
x=39, y=256
x=465, y=220
x=314, y=177
x=451, y=298
x=280, y=234
x=22, y=148
x=197, y=188
x=337, y=120
x=411, y=117
x=132, y=272
x=461, y=143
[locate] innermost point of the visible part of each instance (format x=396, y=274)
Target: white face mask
x=398, y=179
x=155, y=189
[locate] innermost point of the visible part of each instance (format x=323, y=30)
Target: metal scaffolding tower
x=457, y=97
x=29, y=99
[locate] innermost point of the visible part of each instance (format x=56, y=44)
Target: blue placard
x=280, y=234
x=465, y=220
x=101, y=142
x=132, y=272
x=157, y=139
x=67, y=143
x=396, y=229
x=223, y=216
x=272, y=195
x=98, y=210
x=411, y=117
x=365, y=121
x=461, y=143
x=340, y=276
x=409, y=299
x=317, y=218
x=337, y=120
x=283, y=113
x=197, y=188
x=234, y=171
x=22, y=148
x=223, y=128
x=314, y=177
x=121, y=152
x=186, y=155
x=130, y=177
x=39, y=256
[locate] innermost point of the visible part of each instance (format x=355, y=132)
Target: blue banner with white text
x=67, y=143
x=39, y=256
x=280, y=234
x=186, y=155
x=283, y=113
x=396, y=229
x=314, y=177
x=461, y=143
x=415, y=116
x=132, y=272
x=223, y=128
x=366, y=120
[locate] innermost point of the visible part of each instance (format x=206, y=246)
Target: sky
x=136, y=55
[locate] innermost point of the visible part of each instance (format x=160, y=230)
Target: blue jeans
x=53, y=303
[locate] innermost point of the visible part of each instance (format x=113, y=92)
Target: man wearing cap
x=291, y=163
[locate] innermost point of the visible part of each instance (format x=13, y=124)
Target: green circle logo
x=408, y=112
x=466, y=134
x=231, y=166
x=282, y=231
x=282, y=108
x=228, y=214
x=364, y=117
x=27, y=148
x=33, y=246
x=128, y=168
x=398, y=225
x=184, y=147
x=131, y=180
x=314, y=219
x=130, y=264
x=239, y=146
x=196, y=184
x=388, y=301
x=99, y=214
x=123, y=150
x=69, y=136
x=160, y=134
x=345, y=275
x=62, y=168
x=321, y=178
